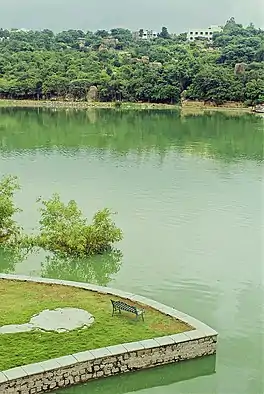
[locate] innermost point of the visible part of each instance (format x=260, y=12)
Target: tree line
x=113, y=66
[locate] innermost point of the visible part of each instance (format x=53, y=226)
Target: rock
x=92, y=94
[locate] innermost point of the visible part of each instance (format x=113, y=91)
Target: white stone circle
x=57, y=320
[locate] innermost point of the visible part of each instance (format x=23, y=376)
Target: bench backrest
x=122, y=305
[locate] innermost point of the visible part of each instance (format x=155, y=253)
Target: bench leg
x=114, y=310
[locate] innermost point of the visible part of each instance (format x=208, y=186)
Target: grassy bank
x=187, y=108
x=81, y=104
x=20, y=301
x=200, y=108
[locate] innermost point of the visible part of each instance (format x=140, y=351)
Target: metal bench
x=119, y=306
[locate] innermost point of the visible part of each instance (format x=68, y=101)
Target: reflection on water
x=9, y=258
x=158, y=378
x=97, y=269
x=213, y=135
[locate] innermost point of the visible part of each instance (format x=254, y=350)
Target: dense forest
x=113, y=66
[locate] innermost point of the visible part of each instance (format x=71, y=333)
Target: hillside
x=41, y=64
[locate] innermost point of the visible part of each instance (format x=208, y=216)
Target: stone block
x=10, y=390
x=66, y=361
x=207, y=331
x=50, y=366
x=77, y=379
x=117, y=350
x=101, y=352
x=52, y=385
x=120, y=293
x=99, y=374
x=195, y=334
x=163, y=341
x=33, y=369
x=15, y=373
x=49, y=374
x=3, y=378
x=149, y=344
x=180, y=338
x=83, y=356
x=133, y=346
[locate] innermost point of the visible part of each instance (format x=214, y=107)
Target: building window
x=191, y=32
x=191, y=38
x=196, y=33
x=211, y=32
x=201, y=32
x=206, y=33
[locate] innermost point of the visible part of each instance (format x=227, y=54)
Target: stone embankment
x=82, y=367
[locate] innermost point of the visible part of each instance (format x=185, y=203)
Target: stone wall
x=81, y=367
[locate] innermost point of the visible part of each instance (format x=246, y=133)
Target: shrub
x=9, y=230
x=64, y=230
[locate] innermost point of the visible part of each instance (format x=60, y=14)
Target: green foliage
x=164, y=33
x=9, y=230
x=44, y=65
x=63, y=230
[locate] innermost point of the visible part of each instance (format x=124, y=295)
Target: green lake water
x=189, y=197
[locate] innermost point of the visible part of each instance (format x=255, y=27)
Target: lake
x=188, y=191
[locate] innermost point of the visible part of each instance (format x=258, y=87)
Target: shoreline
x=81, y=105
x=187, y=108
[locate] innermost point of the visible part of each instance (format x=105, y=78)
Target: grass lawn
x=20, y=301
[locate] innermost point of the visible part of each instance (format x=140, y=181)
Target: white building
x=145, y=35
x=197, y=34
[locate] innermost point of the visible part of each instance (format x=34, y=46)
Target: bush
x=64, y=230
x=118, y=104
x=9, y=230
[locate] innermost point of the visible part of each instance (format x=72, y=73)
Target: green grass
x=82, y=104
x=20, y=301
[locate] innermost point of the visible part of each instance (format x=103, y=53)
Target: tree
x=123, y=35
x=43, y=64
x=101, y=33
x=141, y=32
x=64, y=230
x=164, y=33
x=9, y=230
